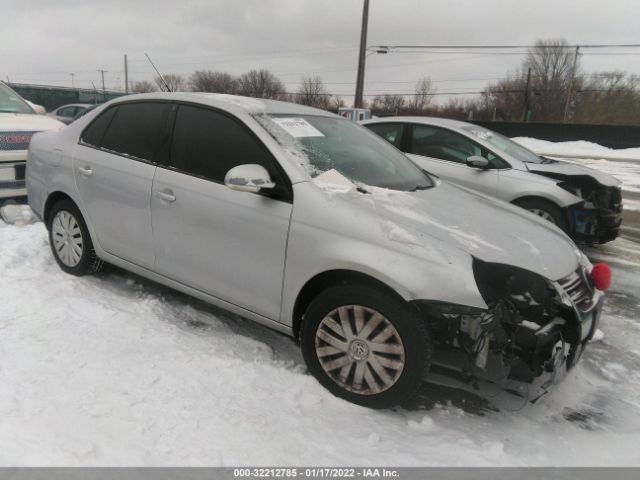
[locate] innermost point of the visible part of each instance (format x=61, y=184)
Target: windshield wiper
x=420, y=187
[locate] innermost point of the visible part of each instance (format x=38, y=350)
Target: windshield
x=504, y=144
x=10, y=102
x=327, y=143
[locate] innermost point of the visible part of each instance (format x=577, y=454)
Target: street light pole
x=361, y=56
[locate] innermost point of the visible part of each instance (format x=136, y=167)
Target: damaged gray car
x=583, y=202
x=314, y=226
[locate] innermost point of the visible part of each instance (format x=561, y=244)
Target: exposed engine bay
x=532, y=332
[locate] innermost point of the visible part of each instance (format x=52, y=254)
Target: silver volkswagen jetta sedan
x=314, y=226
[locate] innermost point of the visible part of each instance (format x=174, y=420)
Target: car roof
x=75, y=105
x=443, y=122
x=229, y=102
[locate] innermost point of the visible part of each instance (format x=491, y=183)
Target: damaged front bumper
x=524, y=343
x=598, y=218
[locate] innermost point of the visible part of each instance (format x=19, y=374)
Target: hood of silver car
x=566, y=169
x=447, y=216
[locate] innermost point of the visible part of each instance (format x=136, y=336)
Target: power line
x=502, y=47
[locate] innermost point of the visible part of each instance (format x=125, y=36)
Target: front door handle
x=166, y=195
x=86, y=171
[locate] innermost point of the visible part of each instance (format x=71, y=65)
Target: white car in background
x=584, y=203
x=18, y=122
x=68, y=113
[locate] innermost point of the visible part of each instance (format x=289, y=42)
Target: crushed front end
x=597, y=219
x=533, y=331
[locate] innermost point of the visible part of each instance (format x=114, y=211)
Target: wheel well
x=534, y=198
x=51, y=201
x=566, y=226
x=328, y=279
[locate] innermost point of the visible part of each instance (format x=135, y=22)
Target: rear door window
x=443, y=144
x=138, y=130
x=391, y=132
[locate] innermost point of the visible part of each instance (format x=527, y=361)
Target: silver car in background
x=312, y=225
x=585, y=203
x=68, y=113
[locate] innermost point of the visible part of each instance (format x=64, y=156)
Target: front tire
x=70, y=240
x=366, y=346
x=546, y=210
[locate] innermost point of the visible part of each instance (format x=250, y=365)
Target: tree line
x=263, y=83
x=549, y=86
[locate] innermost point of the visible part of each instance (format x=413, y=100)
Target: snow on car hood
x=570, y=169
x=27, y=122
x=488, y=229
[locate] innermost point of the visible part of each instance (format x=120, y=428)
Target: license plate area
x=20, y=171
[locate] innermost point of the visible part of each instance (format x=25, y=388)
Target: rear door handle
x=86, y=171
x=166, y=195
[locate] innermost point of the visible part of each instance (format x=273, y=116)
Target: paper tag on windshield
x=298, y=127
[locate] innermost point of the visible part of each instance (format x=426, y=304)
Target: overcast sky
x=44, y=41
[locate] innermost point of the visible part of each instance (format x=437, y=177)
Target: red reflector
x=601, y=275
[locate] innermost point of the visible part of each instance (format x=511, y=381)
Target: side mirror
x=39, y=109
x=248, y=178
x=476, y=161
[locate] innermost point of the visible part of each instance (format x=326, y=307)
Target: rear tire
x=338, y=333
x=546, y=210
x=70, y=240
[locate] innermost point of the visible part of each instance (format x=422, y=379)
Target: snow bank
x=622, y=164
x=577, y=148
x=17, y=214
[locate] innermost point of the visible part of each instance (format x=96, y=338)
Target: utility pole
x=525, y=113
x=95, y=94
x=126, y=74
x=361, y=56
x=72, y=77
x=104, y=93
x=573, y=77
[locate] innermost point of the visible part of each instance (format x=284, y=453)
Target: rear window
x=137, y=130
x=93, y=134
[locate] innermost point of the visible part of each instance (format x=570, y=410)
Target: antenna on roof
x=166, y=85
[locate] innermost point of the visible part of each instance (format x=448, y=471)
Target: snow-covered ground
x=623, y=164
x=116, y=370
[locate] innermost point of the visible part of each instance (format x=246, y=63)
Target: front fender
x=516, y=184
x=415, y=272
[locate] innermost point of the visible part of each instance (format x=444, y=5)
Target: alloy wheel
x=67, y=238
x=360, y=349
x=543, y=214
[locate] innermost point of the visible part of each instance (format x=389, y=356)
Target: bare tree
x=142, y=86
x=551, y=63
x=388, y=104
x=312, y=92
x=209, y=81
x=336, y=102
x=175, y=81
x=423, y=96
x=608, y=98
x=261, y=84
